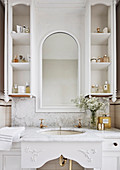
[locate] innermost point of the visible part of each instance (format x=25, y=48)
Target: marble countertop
x=35, y=134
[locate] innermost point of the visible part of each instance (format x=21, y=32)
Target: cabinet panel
x=109, y=163
x=12, y=163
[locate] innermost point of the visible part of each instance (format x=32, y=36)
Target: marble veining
x=23, y=114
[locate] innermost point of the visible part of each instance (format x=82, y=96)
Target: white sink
x=62, y=132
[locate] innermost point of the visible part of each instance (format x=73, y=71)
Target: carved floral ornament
x=87, y=153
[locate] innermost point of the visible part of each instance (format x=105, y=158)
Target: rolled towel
x=9, y=135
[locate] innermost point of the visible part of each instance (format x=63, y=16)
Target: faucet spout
x=41, y=124
x=79, y=124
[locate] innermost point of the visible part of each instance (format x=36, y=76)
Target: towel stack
x=9, y=135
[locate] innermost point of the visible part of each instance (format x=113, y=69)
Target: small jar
x=98, y=29
x=105, y=58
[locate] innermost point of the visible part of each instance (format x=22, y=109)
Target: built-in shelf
x=101, y=94
x=21, y=38
x=100, y=38
x=21, y=66
x=20, y=95
x=100, y=66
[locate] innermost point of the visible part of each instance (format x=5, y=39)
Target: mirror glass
x=59, y=70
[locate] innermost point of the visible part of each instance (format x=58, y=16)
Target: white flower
x=92, y=104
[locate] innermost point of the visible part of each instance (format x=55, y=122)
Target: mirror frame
x=39, y=107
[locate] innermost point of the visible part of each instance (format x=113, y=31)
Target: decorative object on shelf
x=98, y=30
x=99, y=59
x=93, y=104
x=24, y=29
x=21, y=89
x=96, y=88
x=106, y=87
x=105, y=30
x=22, y=59
x=106, y=58
x=15, y=59
x=106, y=120
x=27, y=30
x=27, y=87
x=93, y=60
x=15, y=88
x=19, y=29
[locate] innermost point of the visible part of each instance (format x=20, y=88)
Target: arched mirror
x=60, y=73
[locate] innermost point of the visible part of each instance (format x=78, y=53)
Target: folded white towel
x=9, y=135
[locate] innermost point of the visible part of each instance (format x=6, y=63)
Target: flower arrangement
x=93, y=104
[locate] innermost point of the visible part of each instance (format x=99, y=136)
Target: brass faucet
x=79, y=124
x=41, y=125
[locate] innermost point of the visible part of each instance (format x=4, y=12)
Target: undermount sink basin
x=62, y=132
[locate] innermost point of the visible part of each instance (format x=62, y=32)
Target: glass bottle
x=15, y=59
x=96, y=88
x=15, y=88
x=27, y=87
x=106, y=87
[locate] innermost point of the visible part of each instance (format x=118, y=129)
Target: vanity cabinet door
x=11, y=162
x=110, y=163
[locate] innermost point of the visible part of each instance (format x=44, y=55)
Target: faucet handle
x=79, y=124
x=41, y=124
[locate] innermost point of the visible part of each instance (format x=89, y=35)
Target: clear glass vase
x=93, y=123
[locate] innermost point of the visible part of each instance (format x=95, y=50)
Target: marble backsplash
x=23, y=114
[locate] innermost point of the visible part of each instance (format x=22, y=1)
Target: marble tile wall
x=23, y=114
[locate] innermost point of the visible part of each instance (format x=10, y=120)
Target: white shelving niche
x=100, y=44
x=19, y=44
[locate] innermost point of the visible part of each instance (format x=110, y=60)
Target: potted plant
x=93, y=104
